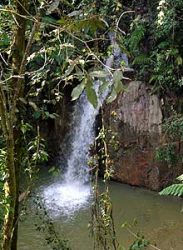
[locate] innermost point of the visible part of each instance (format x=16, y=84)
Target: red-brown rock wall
x=136, y=118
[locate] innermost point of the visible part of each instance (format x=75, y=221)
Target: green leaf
x=179, y=60
x=26, y=127
x=117, y=80
x=77, y=91
x=112, y=96
x=48, y=20
x=104, y=85
x=37, y=114
x=99, y=74
x=90, y=92
x=93, y=24
x=141, y=59
x=69, y=70
x=4, y=39
x=64, y=20
x=174, y=189
x=34, y=106
x=53, y=116
x=124, y=225
x=180, y=178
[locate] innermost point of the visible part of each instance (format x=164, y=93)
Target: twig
x=122, y=14
x=3, y=59
x=17, y=14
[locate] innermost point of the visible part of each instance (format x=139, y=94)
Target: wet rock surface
x=136, y=118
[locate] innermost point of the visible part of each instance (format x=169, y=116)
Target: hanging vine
x=102, y=222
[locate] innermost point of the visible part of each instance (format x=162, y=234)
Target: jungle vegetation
x=48, y=47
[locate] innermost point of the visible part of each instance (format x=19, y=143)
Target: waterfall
x=82, y=137
x=74, y=191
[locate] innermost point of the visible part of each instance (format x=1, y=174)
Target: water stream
x=73, y=191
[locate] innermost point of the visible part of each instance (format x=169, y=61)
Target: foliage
x=106, y=8
x=167, y=57
x=2, y=178
x=137, y=34
x=166, y=154
x=174, y=189
x=154, y=43
x=173, y=127
x=173, y=134
x=34, y=152
x=139, y=244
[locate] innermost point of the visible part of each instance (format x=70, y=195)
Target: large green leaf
x=92, y=23
x=174, y=189
x=180, y=178
x=117, y=86
x=99, y=74
x=104, y=85
x=77, y=91
x=48, y=20
x=112, y=96
x=4, y=39
x=69, y=70
x=90, y=92
x=117, y=81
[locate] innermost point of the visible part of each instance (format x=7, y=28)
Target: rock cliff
x=136, y=119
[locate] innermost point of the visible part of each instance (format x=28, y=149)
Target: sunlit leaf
x=99, y=74
x=112, y=96
x=174, y=189
x=90, y=92
x=179, y=60
x=180, y=178
x=117, y=80
x=69, y=70
x=77, y=91
x=103, y=86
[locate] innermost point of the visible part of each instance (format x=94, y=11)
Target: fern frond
x=174, y=189
x=180, y=178
x=141, y=59
x=136, y=36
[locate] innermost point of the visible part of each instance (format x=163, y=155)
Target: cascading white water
x=83, y=137
x=74, y=191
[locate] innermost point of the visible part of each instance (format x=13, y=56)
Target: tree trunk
x=18, y=55
x=12, y=132
x=10, y=193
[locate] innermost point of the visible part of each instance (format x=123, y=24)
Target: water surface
x=159, y=219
